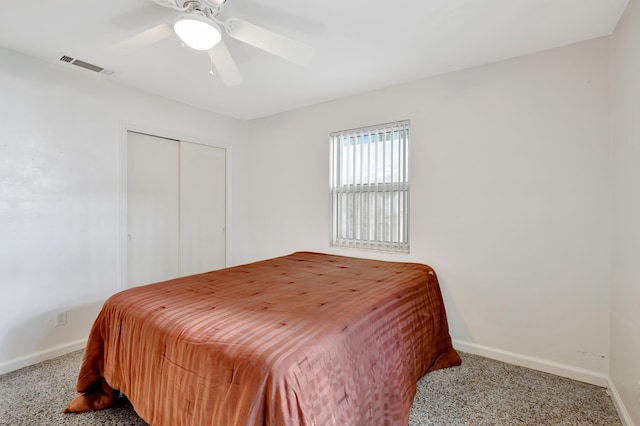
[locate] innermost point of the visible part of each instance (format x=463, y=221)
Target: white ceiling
x=360, y=45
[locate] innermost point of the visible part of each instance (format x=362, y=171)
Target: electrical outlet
x=61, y=318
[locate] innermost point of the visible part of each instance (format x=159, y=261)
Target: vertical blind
x=370, y=187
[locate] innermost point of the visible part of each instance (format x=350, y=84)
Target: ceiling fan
x=200, y=28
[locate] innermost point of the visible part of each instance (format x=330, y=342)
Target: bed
x=303, y=339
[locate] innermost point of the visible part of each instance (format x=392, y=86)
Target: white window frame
x=369, y=186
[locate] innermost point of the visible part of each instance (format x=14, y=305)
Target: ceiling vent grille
x=87, y=66
x=83, y=64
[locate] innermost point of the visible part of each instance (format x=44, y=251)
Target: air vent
x=85, y=65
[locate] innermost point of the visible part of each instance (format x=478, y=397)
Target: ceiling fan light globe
x=197, y=32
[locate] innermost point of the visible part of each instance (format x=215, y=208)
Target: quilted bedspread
x=303, y=339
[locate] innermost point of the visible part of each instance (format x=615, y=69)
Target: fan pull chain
x=211, y=69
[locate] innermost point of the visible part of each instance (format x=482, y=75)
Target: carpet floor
x=480, y=392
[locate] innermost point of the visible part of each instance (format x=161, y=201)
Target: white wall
x=59, y=195
x=509, y=198
x=625, y=286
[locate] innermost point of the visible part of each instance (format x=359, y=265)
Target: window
x=370, y=187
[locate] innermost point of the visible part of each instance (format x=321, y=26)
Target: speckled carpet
x=480, y=392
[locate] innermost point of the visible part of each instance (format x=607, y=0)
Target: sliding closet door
x=152, y=209
x=202, y=208
x=176, y=202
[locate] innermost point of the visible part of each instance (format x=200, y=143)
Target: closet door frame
x=125, y=128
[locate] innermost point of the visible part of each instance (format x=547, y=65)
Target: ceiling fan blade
x=224, y=65
x=274, y=43
x=141, y=40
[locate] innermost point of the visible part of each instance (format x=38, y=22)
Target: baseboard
x=534, y=363
x=625, y=417
x=34, y=358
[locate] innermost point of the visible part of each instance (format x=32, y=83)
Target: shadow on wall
x=457, y=326
x=38, y=338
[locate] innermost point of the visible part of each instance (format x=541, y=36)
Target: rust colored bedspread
x=304, y=339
